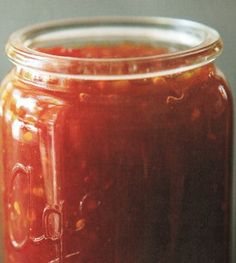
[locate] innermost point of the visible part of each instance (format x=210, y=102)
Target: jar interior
x=173, y=38
x=169, y=38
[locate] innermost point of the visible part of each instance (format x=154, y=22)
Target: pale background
x=220, y=14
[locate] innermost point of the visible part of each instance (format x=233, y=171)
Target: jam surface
x=118, y=171
x=119, y=50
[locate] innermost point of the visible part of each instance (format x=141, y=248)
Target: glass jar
x=116, y=141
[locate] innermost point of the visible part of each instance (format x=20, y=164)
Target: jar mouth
x=190, y=45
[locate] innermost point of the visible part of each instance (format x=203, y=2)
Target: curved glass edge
x=22, y=55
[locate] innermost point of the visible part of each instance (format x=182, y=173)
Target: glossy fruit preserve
x=116, y=170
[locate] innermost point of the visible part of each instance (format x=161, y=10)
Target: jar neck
x=67, y=84
x=191, y=45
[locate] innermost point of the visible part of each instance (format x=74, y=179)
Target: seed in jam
x=80, y=224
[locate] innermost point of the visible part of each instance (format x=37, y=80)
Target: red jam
x=121, y=50
x=118, y=171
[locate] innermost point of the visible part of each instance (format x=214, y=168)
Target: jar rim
x=204, y=46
